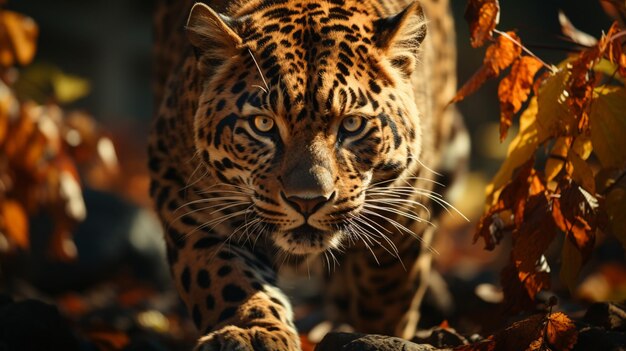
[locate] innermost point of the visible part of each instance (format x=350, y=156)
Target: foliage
x=41, y=147
x=551, y=331
x=578, y=113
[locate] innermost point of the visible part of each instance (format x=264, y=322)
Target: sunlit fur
x=231, y=193
x=307, y=101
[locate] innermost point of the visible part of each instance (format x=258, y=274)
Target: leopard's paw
x=256, y=338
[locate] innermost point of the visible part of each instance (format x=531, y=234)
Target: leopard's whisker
x=426, y=167
x=376, y=184
x=434, y=196
x=396, y=211
x=395, y=252
x=212, y=199
x=358, y=235
x=227, y=240
x=399, y=203
x=217, y=221
x=221, y=191
x=189, y=183
x=393, y=246
x=209, y=207
x=267, y=88
x=241, y=229
x=263, y=233
x=400, y=227
x=327, y=260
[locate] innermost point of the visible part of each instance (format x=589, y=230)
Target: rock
x=368, y=342
x=439, y=337
x=610, y=316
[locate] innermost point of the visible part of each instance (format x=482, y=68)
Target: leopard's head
x=305, y=107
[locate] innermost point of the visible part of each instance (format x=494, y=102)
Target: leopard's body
x=290, y=130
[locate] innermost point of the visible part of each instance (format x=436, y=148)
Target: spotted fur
x=290, y=130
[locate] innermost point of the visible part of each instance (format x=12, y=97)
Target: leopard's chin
x=307, y=239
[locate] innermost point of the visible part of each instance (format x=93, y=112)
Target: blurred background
x=111, y=285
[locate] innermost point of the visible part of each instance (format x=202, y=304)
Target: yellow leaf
x=607, y=68
x=68, y=88
x=553, y=113
x=571, y=262
x=608, y=126
x=15, y=223
x=583, y=146
x=19, y=38
x=556, y=159
x=520, y=150
x=581, y=172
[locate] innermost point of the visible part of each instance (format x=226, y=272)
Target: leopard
x=294, y=132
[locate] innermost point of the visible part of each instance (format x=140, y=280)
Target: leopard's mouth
x=307, y=239
x=307, y=231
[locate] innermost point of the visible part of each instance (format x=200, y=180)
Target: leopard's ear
x=400, y=36
x=212, y=34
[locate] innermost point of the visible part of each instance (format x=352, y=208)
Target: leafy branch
x=577, y=111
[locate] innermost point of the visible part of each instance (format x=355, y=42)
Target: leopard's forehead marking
x=318, y=58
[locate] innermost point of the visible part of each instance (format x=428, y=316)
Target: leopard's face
x=310, y=108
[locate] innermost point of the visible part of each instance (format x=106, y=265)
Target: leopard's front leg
x=230, y=295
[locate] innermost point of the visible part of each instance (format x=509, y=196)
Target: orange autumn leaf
x=498, y=57
x=615, y=9
x=41, y=148
x=516, y=296
x=476, y=81
x=306, y=344
x=617, y=55
x=514, y=90
x=490, y=229
x=578, y=210
x=15, y=223
x=502, y=53
x=538, y=332
x=18, y=37
x=531, y=240
x=580, y=83
x=554, y=331
x=482, y=17
x=561, y=332
x=578, y=109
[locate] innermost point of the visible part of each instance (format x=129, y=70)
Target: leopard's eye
x=263, y=124
x=352, y=124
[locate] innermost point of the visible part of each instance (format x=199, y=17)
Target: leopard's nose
x=306, y=205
